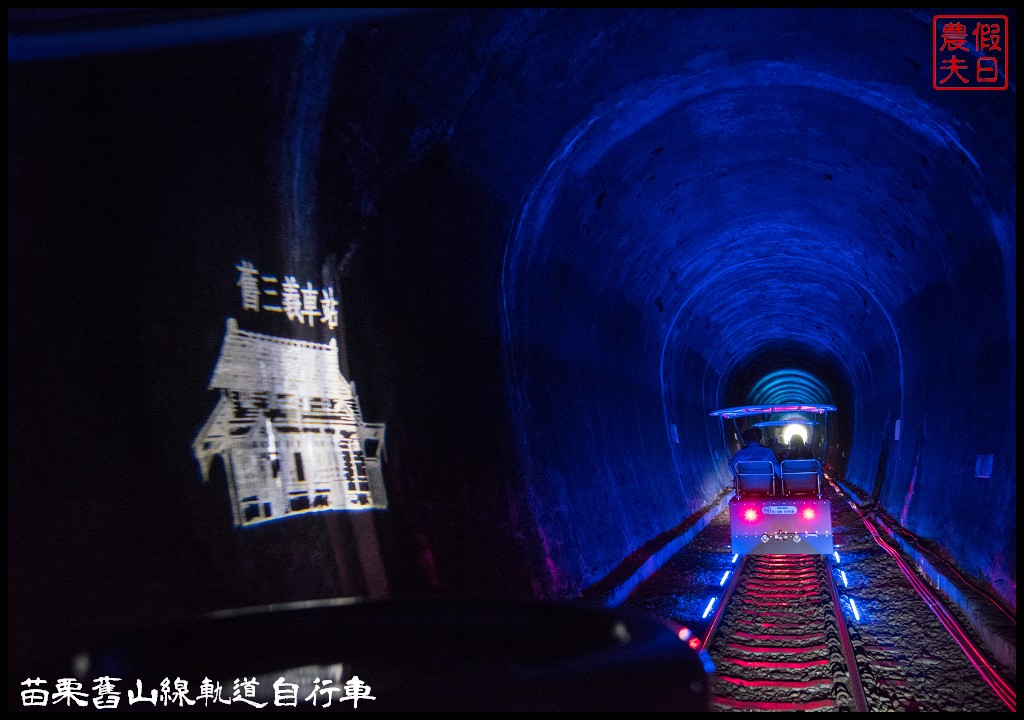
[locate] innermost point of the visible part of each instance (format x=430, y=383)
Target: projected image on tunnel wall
x=287, y=435
x=544, y=243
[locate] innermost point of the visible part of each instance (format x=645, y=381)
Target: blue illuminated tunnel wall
x=714, y=217
x=558, y=239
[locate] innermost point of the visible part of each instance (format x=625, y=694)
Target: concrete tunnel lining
x=543, y=224
x=826, y=233
x=625, y=141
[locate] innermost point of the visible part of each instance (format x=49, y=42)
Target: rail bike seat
x=755, y=478
x=801, y=477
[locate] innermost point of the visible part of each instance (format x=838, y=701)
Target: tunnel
x=555, y=239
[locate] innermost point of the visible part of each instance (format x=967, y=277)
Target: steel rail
x=856, y=687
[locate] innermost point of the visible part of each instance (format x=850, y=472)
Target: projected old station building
x=564, y=254
x=288, y=430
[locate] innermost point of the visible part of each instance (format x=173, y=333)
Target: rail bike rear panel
x=769, y=516
x=781, y=526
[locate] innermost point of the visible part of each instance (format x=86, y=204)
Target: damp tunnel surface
x=558, y=240
x=722, y=217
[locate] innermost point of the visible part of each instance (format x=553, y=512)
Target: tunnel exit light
x=791, y=430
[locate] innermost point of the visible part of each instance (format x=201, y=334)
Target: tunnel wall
x=139, y=183
x=531, y=219
x=904, y=173
x=950, y=482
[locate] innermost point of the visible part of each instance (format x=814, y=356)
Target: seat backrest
x=801, y=477
x=755, y=477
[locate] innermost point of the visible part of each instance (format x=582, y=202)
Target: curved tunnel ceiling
x=745, y=211
x=770, y=208
x=782, y=385
x=699, y=221
x=649, y=214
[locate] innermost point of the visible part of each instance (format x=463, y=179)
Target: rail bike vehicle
x=782, y=512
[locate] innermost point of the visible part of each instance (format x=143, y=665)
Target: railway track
x=780, y=642
x=915, y=650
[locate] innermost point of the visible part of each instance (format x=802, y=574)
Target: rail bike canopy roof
x=780, y=423
x=743, y=411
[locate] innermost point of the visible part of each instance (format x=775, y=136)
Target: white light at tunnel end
x=792, y=430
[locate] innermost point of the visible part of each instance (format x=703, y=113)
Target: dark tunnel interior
x=557, y=238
